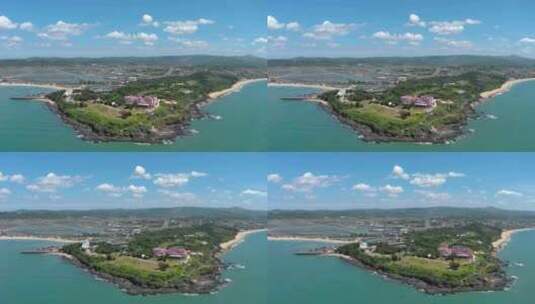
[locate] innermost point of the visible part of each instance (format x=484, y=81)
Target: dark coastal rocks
x=498, y=281
x=159, y=136
x=368, y=134
x=205, y=284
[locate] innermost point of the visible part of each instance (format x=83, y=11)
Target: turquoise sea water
x=30, y=126
x=272, y=275
x=255, y=119
x=40, y=279
x=315, y=280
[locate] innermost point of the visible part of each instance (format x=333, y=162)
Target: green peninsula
x=149, y=110
x=441, y=260
x=170, y=260
x=433, y=109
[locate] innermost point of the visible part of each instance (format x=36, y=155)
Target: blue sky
x=131, y=180
x=405, y=28
x=98, y=28
x=332, y=28
x=398, y=180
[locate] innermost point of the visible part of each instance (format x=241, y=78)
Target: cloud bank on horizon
x=111, y=28
x=132, y=180
x=399, y=180
x=271, y=29
x=394, y=28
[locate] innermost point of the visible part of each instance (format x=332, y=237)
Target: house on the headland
x=149, y=102
x=461, y=252
x=425, y=101
x=173, y=252
x=86, y=245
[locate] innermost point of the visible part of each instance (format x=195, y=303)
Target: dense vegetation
x=383, y=113
x=107, y=115
x=135, y=263
x=420, y=258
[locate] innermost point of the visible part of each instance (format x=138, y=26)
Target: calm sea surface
x=255, y=119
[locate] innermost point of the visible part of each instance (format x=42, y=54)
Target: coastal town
x=418, y=99
x=439, y=251
x=143, y=102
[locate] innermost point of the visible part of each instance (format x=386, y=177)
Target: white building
x=86, y=245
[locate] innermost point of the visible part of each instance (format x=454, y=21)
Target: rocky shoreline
x=500, y=280
x=169, y=133
x=206, y=284
x=367, y=134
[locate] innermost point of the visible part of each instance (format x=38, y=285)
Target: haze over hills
x=447, y=212
x=155, y=213
x=441, y=60
x=185, y=61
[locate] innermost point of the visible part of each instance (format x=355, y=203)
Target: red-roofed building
x=150, y=102
x=173, y=252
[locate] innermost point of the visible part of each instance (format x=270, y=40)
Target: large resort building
x=419, y=101
x=149, y=102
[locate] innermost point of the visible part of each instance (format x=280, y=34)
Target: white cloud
x=26, y=26
x=327, y=30
x=293, y=26
x=7, y=24
x=399, y=172
x=254, y=192
x=4, y=193
x=432, y=180
x=11, y=41
x=185, y=27
x=415, y=20
x=198, y=174
x=392, y=191
x=363, y=187
x=435, y=196
x=52, y=182
x=108, y=188
x=505, y=192
x=464, y=44
x=180, y=197
x=274, y=178
x=141, y=172
x=309, y=181
x=274, y=24
x=62, y=30
x=451, y=27
x=166, y=180
x=527, y=40
x=148, y=20
x=15, y=178
x=411, y=38
x=272, y=41
x=136, y=191
x=148, y=39
x=190, y=44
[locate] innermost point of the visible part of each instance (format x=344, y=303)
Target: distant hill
x=433, y=212
x=452, y=60
x=180, y=212
x=189, y=60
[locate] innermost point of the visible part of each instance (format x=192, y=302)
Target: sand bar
x=506, y=237
x=240, y=237
x=311, y=239
x=504, y=88
x=235, y=88
x=36, y=238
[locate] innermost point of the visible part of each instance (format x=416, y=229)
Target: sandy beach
x=305, y=239
x=235, y=88
x=36, y=85
x=506, y=237
x=240, y=237
x=303, y=85
x=504, y=88
x=36, y=238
